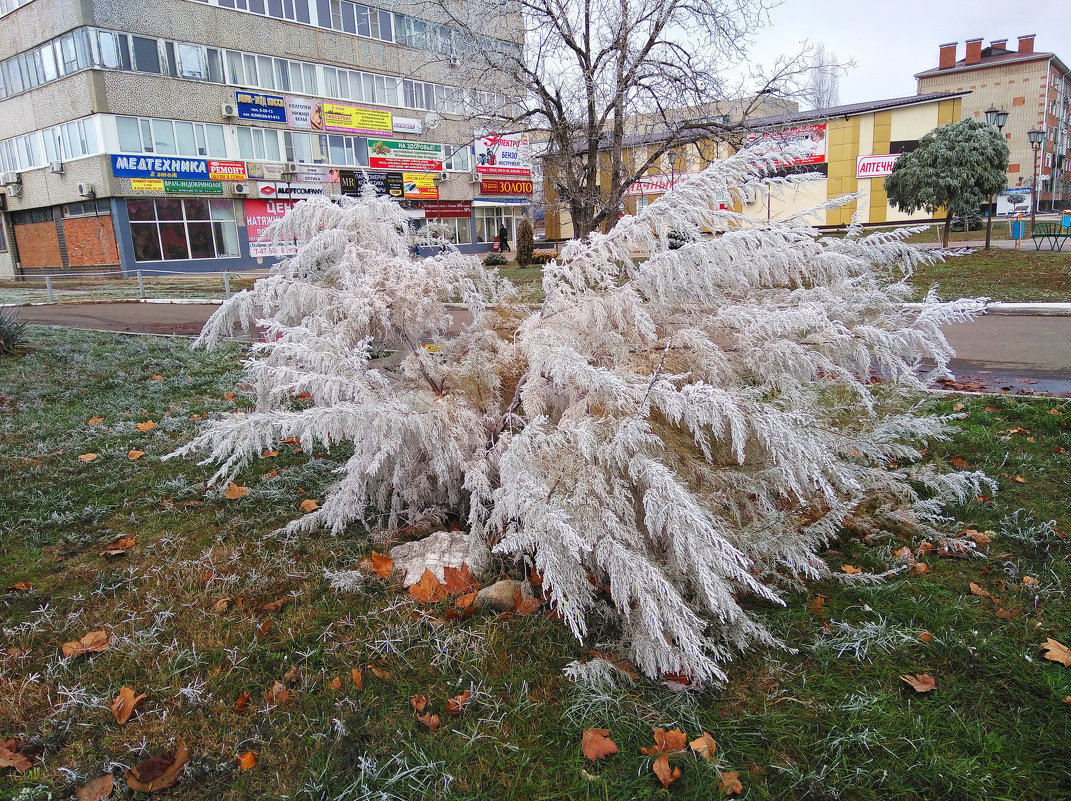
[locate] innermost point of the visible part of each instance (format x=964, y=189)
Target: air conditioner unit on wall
x=55, y=167
x=444, y=176
x=228, y=110
x=10, y=178
x=85, y=190
x=240, y=188
x=290, y=166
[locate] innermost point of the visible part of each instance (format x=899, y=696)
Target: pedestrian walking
x=503, y=239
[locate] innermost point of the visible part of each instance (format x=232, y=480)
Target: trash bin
x=1018, y=229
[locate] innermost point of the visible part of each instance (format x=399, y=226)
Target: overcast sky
x=890, y=42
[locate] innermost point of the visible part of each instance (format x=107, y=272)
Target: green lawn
x=831, y=719
x=1008, y=275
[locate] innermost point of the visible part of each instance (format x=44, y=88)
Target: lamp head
x=1036, y=137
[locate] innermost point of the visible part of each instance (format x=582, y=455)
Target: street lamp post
x=1036, y=137
x=996, y=117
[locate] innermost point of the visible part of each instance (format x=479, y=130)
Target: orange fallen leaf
x=94, y=642
x=291, y=441
x=304, y=395
x=123, y=543
x=380, y=673
x=730, y=783
x=921, y=683
x=270, y=474
x=94, y=421
x=124, y=704
x=278, y=694
x=10, y=758
x=228, y=396
x=662, y=770
x=920, y=568
x=274, y=606
x=428, y=590
x=156, y=377
x=925, y=636
x=87, y=457
x=976, y=590
x=1005, y=614
x=134, y=455
x=704, y=746
x=925, y=547
x=458, y=581
x=309, y=505
x=667, y=742
x=1057, y=652
x=148, y=425
x=20, y=586
x=335, y=684
x=1067, y=700
x=418, y=702
x=1019, y=480
x=381, y=565
x=242, y=702
x=292, y=675
x=96, y=789
x=358, y=679
x=206, y=575
x=429, y=720
x=456, y=705
x=235, y=491
x=851, y=570
x=159, y=772
x=818, y=605
x=958, y=407
x=247, y=761
x=596, y=744
x=1030, y=581
x=263, y=628
x=979, y=538
x=959, y=462
x=523, y=605
x=221, y=606
x=269, y=454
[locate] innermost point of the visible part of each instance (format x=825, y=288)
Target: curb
x=1025, y=309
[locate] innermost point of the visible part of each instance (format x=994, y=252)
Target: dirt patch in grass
x=830, y=719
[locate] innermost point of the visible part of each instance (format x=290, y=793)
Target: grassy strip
x=831, y=719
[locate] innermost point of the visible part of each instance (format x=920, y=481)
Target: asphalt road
x=996, y=352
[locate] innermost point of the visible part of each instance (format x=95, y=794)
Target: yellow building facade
x=848, y=143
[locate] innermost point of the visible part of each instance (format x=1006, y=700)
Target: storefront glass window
x=174, y=229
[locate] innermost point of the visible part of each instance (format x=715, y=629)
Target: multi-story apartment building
x=1033, y=87
x=167, y=134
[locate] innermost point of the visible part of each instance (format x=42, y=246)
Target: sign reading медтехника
x=160, y=167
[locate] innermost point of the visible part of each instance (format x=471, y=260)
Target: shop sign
x=656, y=184
x=354, y=119
x=500, y=201
x=879, y=166
x=408, y=125
x=227, y=170
x=259, y=215
x=159, y=167
x=266, y=170
x=292, y=191
x=302, y=112
x=810, y=138
x=419, y=186
x=259, y=106
x=389, y=154
x=448, y=208
x=147, y=184
x=1016, y=200
x=503, y=154
x=182, y=187
x=506, y=186
x=390, y=184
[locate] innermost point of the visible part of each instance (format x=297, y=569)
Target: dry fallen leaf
x=242, y=702
x=278, y=694
x=379, y=564
x=94, y=421
x=662, y=770
x=9, y=758
x=667, y=742
x=134, y=454
x=429, y=720
x=264, y=627
x=1019, y=480
x=956, y=407
x=818, y=605
x=730, y=783
x=269, y=454
x=94, y=642
x=221, y=606
x=156, y=377
x=160, y=772
x=292, y=675
x=418, y=702
x=148, y=425
x=925, y=636
x=96, y=789
x=87, y=457
x=1057, y=652
x=456, y=705
x=124, y=704
x=235, y=491
x=428, y=590
x=270, y=474
x=704, y=746
x=335, y=684
x=921, y=683
x=851, y=570
x=247, y=760
x=1030, y=581
x=228, y=396
x=358, y=679
x=309, y=505
x=274, y=606
x=976, y=590
x=380, y=673
x=1005, y=614
x=20, y=586
x=920, y=568
x=458, y=581
x=596, y=744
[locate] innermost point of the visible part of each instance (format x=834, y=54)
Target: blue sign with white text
x=159, y=167
x=258, y=106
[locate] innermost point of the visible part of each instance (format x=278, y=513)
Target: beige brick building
x=1033, y=87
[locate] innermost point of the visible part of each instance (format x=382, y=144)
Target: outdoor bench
x=1053, y=232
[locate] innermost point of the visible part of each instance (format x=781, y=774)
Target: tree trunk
x=948, y=226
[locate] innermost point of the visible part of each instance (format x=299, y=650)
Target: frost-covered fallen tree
x=684, y=430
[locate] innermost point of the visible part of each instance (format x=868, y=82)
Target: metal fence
x=116, y=285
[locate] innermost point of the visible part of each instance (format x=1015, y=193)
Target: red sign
x=506, y=186
x=226, y=171
x=448, y=208
x=259, y=214
x=875, y=166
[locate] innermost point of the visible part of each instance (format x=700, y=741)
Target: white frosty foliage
x=672, y=434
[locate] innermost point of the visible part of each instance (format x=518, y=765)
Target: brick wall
x=38, y=245
x=90, y=241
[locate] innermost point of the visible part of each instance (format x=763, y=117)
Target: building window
x=146, y=55
x=178, y=229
